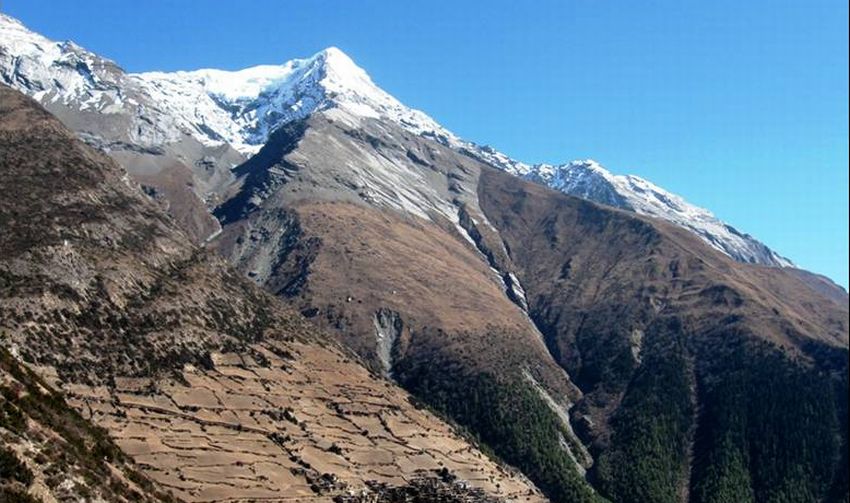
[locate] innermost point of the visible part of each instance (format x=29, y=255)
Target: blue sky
x=741, y=107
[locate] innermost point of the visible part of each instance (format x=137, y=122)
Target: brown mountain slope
x=49, y=451
x=214, y=389
x=317, y=223
x=823, y=285
x=576, y=253
x=468, y=286
x=750, y=361
x=354, y=226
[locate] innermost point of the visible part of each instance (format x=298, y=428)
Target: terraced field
x=292, y=422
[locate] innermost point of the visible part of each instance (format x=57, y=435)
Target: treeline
x=507, y=417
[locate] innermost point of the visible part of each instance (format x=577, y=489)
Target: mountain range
x=281, y=282
x=236, y=110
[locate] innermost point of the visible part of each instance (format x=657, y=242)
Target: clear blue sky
x=740, y=106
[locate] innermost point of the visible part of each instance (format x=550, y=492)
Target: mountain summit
x=243, y=107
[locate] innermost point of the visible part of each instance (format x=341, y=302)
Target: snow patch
x=517, y=292
x=388, y=329
x=636, y=344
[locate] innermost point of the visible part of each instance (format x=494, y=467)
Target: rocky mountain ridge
x=589, y=180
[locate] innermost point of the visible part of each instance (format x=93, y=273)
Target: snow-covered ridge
x=589, y=180
x=241, y=109
x=63, y=74
x=54, y=71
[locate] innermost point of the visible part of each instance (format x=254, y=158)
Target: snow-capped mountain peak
x=215, y=107
x=19, y=40
x=342, y=74
x=242, y=108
